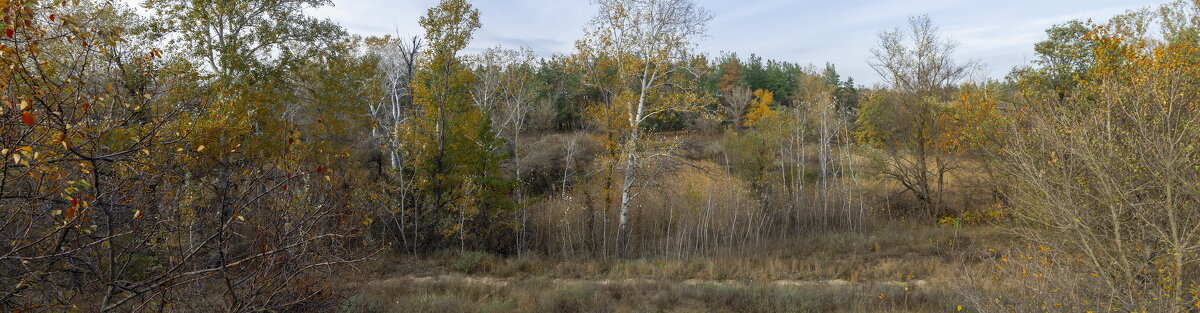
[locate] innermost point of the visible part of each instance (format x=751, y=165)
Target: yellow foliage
x=971, y=122
x=760, y=108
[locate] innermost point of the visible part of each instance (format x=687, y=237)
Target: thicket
x=234, y=156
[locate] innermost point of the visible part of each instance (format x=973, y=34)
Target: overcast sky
x=999, y=34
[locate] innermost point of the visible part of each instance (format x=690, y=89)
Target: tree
x=731, y=74
x=1064, y=58
x=845, y=94
x=521, y=94
x=918, y=66
x=397, y=59
x=640, y=56
x=564, y=90
x=778, y=77
x=820, y=116
x=113, y=202
x=508, y=89
x=925, y=66
x=451, y=142
x=760, y=108
x=239, y=38
x=973, y=123
x=269, y=109
x=75, y=136
x=1111, y=174
x=397, y=64
x=737, y=100
x=735, y=95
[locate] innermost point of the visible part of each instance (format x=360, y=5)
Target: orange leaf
x=70, y=213
x=86, y=106
x=28, y=118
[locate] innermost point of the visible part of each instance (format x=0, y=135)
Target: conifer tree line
x=236, y=154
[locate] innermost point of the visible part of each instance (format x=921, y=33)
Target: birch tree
x=647, y=46
x=397, y=61
x=507, y=88
x=520, y=93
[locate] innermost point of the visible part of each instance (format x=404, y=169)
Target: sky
x=997, y=34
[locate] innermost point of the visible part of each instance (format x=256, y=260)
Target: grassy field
x=895, y=268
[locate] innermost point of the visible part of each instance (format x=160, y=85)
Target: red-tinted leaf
x=8, y=32
x=70, y=213
x=28, y=118
x=285, y=187
x=320, y=169
x=289, y=141
x=51, y=17
x=74, y=202
x=86, y=106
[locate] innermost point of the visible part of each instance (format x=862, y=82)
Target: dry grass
x=691, y=208
x=889, y=253
x=462, y=294
x=837, y=272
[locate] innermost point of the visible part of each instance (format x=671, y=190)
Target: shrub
x=472, y=261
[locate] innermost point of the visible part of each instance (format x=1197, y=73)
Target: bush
x=472, y=261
